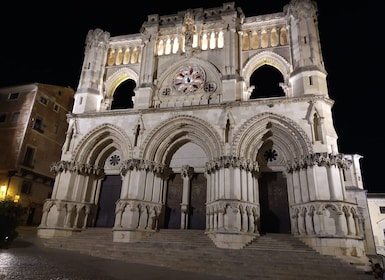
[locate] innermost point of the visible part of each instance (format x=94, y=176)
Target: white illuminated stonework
x=200, y=141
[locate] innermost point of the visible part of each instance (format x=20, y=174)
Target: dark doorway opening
x=197, y=202
x=109, y=194
x=197, y=214
x=274, y=205
x=266, y=81
x=173, y=201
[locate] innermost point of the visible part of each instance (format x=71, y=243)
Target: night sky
x=44, y=43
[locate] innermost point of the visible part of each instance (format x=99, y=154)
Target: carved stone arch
x=288, y=136
x=303, y=211
x=212, y=73
x=345, y=210
x=176, y=131
x=115, y=79
x=296, y=212
x=267, y=58
x=353, y=211
x=100, y=142
x=333, y=206
x=312, y=210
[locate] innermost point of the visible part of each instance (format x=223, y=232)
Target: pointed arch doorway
x=196, y=212
x=109, y=193
x=185, y=206
x=274, y=203
x=272, y=186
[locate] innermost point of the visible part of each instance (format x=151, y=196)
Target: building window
x=43, y=100
x=3, y=117
x=15, y=117
x=382, y=209
x=13, y=96
x=28, y=157
x=26, y=187
x=56, y=107
x=38, y=124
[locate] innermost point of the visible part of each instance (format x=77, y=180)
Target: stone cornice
x=318, y=159
x=72, y=166
x=268, y=102
x=231, y=161
x=139, y=164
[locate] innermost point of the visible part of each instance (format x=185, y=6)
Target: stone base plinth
x=342, y=247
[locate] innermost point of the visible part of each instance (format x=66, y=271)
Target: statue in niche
x=189, y=29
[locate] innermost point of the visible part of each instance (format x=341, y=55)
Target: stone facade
x=376, y=205
x=33, y=127
x=173, y=127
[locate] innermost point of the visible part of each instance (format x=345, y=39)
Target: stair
x=271, y=256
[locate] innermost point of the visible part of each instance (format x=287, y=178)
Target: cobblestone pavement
x=28, y=259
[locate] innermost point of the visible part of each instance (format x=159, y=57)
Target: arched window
x=134, y=56
x=264, y=39
x=160, y=47
x=274, y=37
x=221, y=42
x=266, y=81
x=111, y=57
x=167, y=49
x=126, y=58
x=175, y=47
x=245, y=43
x=255, y=41
x=204, y=42
x=212, y=41
x=124, y=95
x=119, y=57
x=283, y=37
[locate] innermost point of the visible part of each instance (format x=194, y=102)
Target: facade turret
x=309, y=74
x=89, y=94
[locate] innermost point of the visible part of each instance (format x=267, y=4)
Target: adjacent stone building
x=33, y=126
x=376, y=205
x=210, y=120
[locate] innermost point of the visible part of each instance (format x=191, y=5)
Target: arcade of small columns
x=323, y=212
x=209, y=40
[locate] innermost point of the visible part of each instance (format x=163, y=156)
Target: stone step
x=270, y=256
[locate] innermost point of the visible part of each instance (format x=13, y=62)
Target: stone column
x=87, y=214
x=186, y=172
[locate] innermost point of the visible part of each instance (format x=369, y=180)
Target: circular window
x=189, y=79
x=114, y=160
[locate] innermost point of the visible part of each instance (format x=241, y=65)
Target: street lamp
x=3, y=191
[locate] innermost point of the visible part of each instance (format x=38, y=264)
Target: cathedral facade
x=210, y=120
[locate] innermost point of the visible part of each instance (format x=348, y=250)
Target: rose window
x=189, y=79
